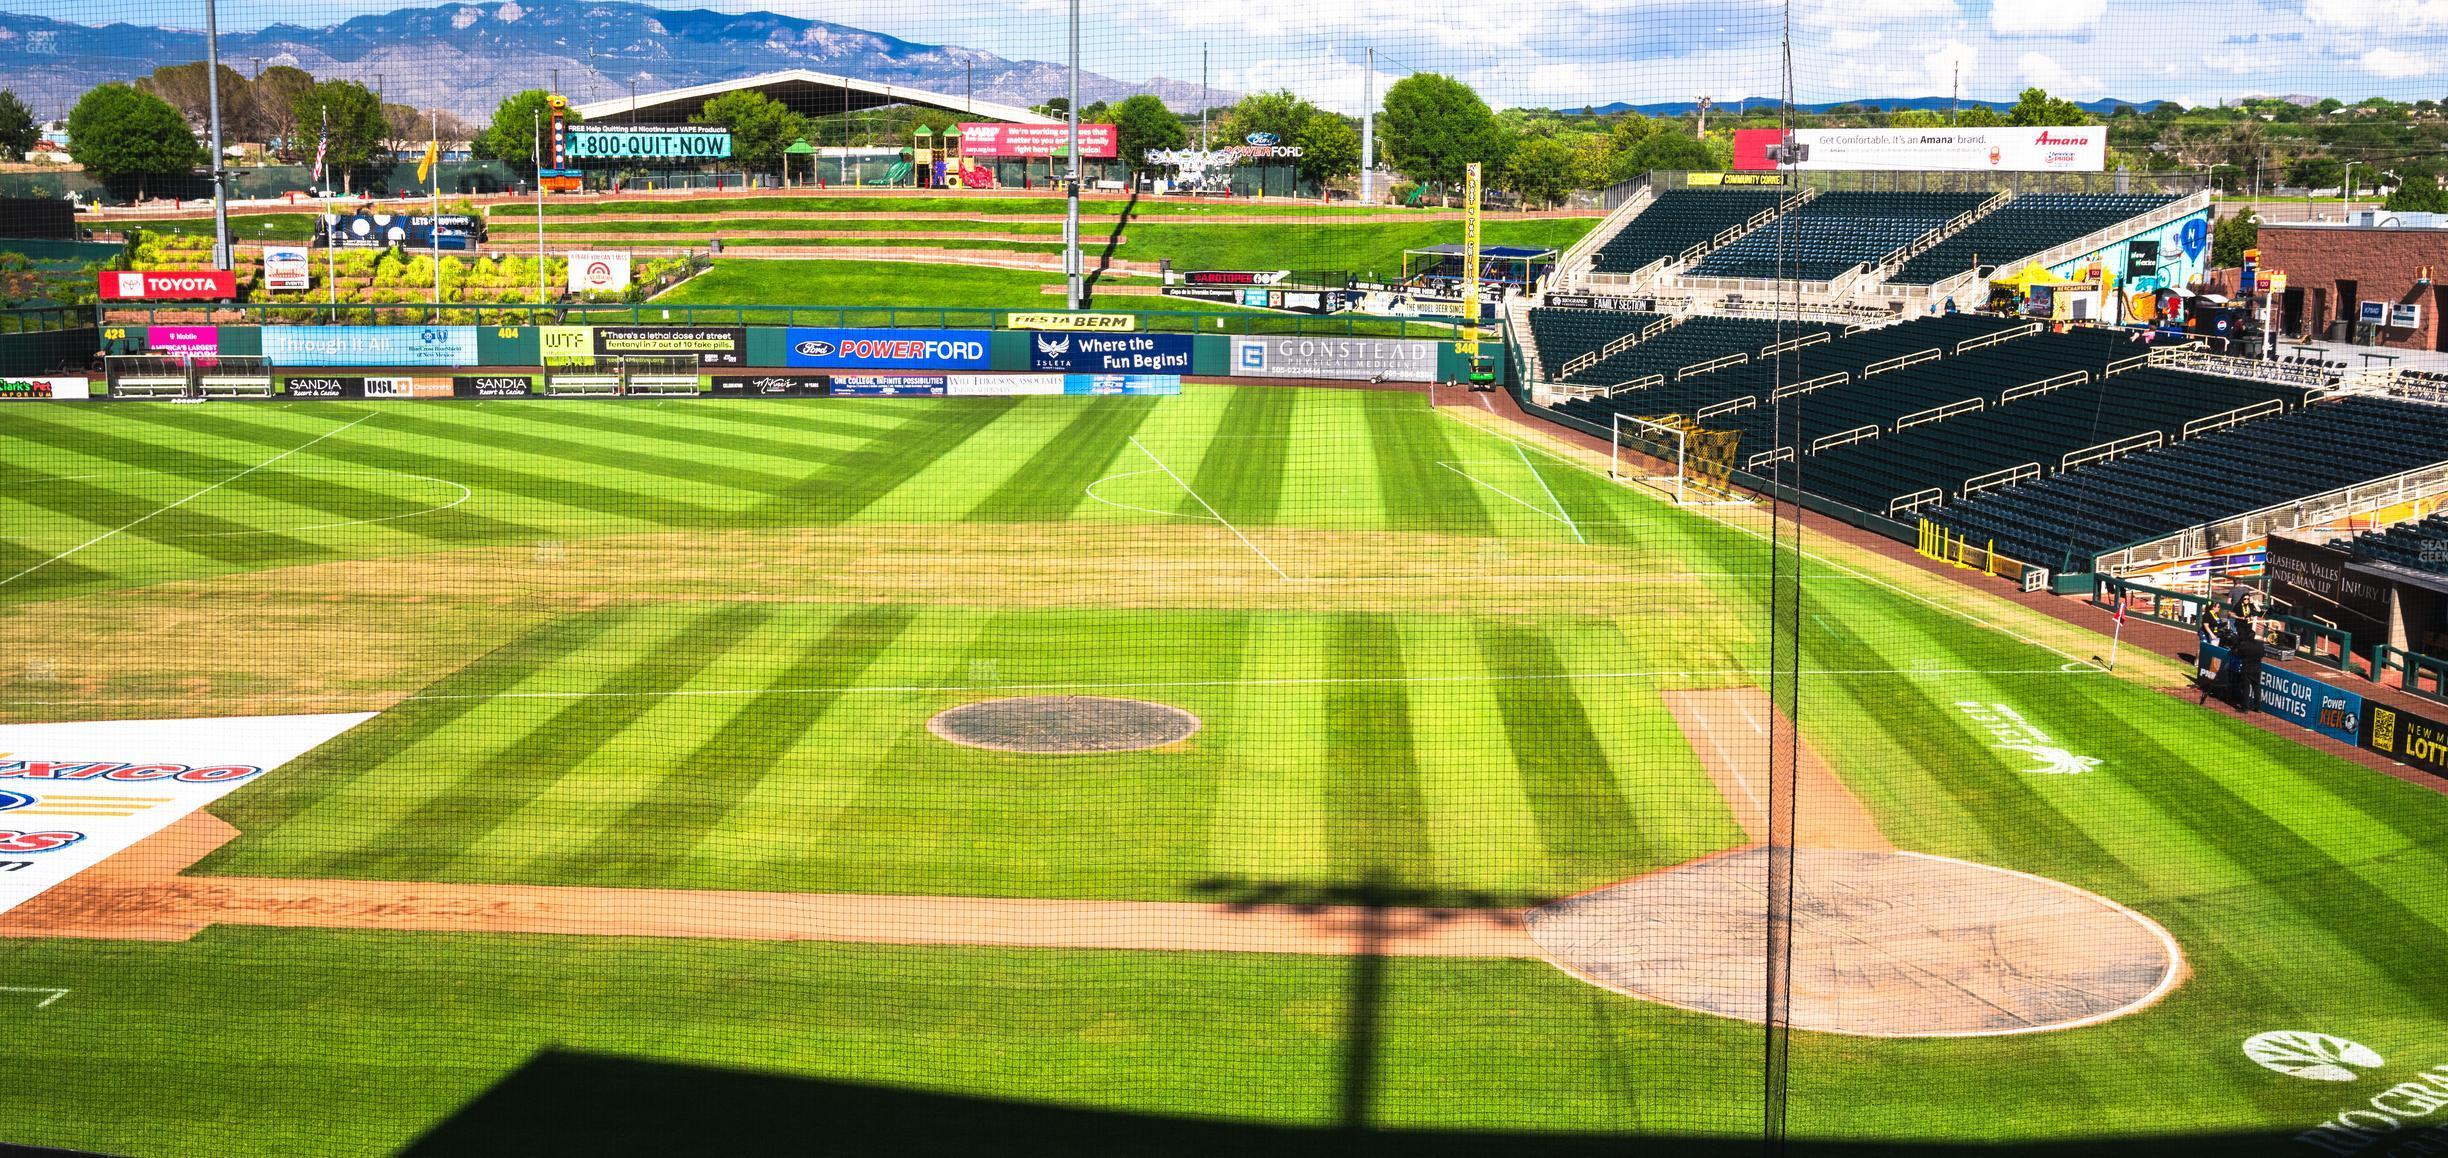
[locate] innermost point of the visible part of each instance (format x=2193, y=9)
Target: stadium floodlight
x=212, y=97
x=1071, y=208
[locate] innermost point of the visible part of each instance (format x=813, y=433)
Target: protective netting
x=614, y=596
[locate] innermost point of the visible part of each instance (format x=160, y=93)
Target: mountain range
x=466, y=57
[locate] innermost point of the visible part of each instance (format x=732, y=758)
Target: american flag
x=322, y=143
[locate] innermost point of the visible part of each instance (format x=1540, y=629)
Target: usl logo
x=2318, y=1057
x=14, y=841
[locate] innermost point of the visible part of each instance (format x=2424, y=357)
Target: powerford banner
x=75, y=795
x=2307, y=702
x=370, y=345
x=40, y=389
x=855, y=349
x=199, y=285
x=1111, y=353
x=2077, y=149
x=1377, y=359
x=184, y=341
x=1001, y=140
x=604, y=143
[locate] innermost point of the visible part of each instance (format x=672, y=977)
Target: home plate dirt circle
x=1885, y=944
x=1059, y=725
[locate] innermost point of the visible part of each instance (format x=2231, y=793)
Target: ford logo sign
x=1263, y=138
x=813, y=349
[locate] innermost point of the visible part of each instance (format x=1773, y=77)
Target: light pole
x=212, y=94
x=1071, y=211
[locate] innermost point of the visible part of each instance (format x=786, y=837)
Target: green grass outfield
x=693, y=644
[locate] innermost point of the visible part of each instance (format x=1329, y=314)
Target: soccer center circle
x=1884, y=944
x=1064, y=725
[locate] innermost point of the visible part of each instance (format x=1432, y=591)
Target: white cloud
x=2042, y=69
x=2044, y=17
x=2390, y=62
x=2402, y=15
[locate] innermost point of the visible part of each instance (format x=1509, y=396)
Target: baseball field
x=1249, y=768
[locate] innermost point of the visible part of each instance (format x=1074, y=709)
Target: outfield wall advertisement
x=881, y=349
x=1110, y=353
x=1382, y=359
x=370, y=345
x=2306, y=702
x=44, y=389
x=717, y=346
x=75, y=795
x=2009, y=149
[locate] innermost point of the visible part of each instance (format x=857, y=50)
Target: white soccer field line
x=1211, y=511
x=182, y=502
x=45, y=1003
x=1551, y=495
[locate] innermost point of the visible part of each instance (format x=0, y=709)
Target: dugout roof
x=814, y=94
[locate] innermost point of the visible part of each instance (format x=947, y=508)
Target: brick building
x=2337, y=271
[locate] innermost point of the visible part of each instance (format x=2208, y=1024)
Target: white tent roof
x=823, y=93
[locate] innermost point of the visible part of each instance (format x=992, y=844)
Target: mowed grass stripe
x=698, y=790
x=839, y=490
x=420, y=844
x=1243, y=469
x=1271, y=811
x=478, y=428
x=328, y=499
x=1566, y=776
x=1408, y=442
x=819, y=417
x=1379, y=831
x=674, y=434
x=1486, y=832
x=56, y=575
x=307, y=782
x=1053, y=482
x=492, y=473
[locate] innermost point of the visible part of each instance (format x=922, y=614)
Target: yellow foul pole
x=1469, y=345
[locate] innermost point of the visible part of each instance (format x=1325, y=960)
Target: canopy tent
x=1513, y=265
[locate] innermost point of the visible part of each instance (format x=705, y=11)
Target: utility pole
x=1205, y=99
x=539, y=168
x=1954, y=90
x=433, y=226
x=1071, y=211
x=1368, y=130
x=969, y=87
x=220, y=176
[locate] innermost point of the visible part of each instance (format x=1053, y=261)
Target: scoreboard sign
x=677, y=144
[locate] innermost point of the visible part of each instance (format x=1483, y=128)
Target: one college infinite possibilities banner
x=1110, y=353
x=2076, y=149
x=1387, y=359
x=876, y=349
x=75, y=795
x=370, y=345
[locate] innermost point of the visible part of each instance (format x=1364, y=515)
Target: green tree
x=2036, y=108
x=121, y=135
x=1979, y=117
x=276, y=91
x=353, y=117
x=1058, y=108
x=2417, y=196
x=185, y=87
x=761, y=127
x=2230, y=237
x=1541, y=169
x=1672, y=150
x=1597, y=163
x=1330, y=149
x=1918, y=119
x=1433, y=126
x=1280, y=113
x=2313, y=171
x=17, y=131
x=1142, y=122
x=522, y=125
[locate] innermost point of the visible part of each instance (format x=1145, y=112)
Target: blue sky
x=1577, y=51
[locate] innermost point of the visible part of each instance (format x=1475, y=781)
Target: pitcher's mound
x=1064, y=724
x=1884, y=944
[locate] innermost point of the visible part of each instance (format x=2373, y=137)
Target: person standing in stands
x=2248, y=654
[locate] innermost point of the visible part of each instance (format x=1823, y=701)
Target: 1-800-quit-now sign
x=582, y=143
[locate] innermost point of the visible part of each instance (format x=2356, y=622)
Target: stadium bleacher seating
x=2065, y=519
x=1566, y=334
x=2421, y=545
x=1834, y=232
x=1760, y=377
x=1695, y=340
x=2022, y=227
x=1676, y=221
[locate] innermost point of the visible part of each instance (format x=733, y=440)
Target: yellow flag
x=433, y=152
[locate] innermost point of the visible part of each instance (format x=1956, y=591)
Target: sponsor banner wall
x=604, y=143
x=1006, y=385
x=1111, y=353
x=771, y=385
x=2312, y=581
x=597, y=271
x=39, y=389
x=1390, y=359
x=370, y=345
x=1602, y=302
x=325, y=387
x=2074, y=149
x=713, y=345
x=565, y=345
x=75, y=795
x=492, y=386
x=184, y=341
x=880, y=349
x=408, y=388
x=2418, y=741
x=891, y=385
x=2308, y=703
x=1085, y=384
x=203, y=285
x=1002, y=140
